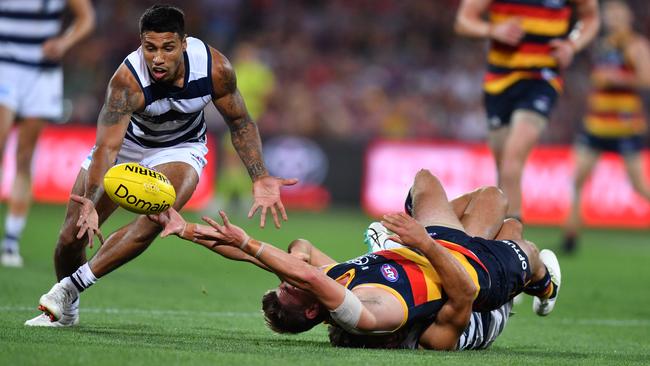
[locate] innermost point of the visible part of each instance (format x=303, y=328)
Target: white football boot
x=376, y=238
x=69, y=318
x=56, y=301
x=11, y=259
x=543, y=307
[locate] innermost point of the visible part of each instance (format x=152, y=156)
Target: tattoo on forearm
x=92, y=192
x=246, y=140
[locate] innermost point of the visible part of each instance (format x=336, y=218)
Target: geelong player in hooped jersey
x=153, y=114
x=529, y=49
x=33, y=41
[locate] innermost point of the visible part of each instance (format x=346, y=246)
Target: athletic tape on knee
x=348, y=313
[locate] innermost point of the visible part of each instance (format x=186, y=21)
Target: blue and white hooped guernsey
x=24, y=26
x=172, y=115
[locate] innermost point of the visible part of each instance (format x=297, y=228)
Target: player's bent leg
x=430, y=204
x=525, y=130
x=546, y=277
x=70, y=252
x=485, y=213
x=512, y=229
x=132, y=239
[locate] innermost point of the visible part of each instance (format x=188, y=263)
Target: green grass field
x=181, y=304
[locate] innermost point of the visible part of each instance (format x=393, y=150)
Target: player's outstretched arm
x=454, y=315
x=123, y=97
x=298, y=273
x=307, y=252
x=246, y=140
x=174, y=224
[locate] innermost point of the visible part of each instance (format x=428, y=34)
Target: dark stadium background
x=341, y=73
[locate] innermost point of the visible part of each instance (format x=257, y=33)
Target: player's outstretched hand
x=88, y=221
x=226, y=234
x=171, y=221
x=266, y=193
x=407, y=230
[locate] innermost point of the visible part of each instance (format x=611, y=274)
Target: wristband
x=245, y=243
x=259, y=251
x=188, y=232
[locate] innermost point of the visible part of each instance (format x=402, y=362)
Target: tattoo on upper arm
x=118, y=103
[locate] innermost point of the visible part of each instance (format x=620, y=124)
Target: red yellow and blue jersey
x=406, y=274
x=542, y=21
x=614, y=112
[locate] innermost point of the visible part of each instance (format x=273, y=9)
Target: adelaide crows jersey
x=542, y=21
x=614, y=112
x=404, y=273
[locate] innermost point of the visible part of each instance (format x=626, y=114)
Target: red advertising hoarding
x=58, y=157
x=608, y=198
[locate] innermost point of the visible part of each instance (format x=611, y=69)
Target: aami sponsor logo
x=123, y=192
x=389, y=272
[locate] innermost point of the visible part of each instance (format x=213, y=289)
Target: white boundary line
x=152, y=312
x=234, y=314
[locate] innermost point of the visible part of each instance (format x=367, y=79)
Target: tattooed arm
x=123, y=97
x=246, y=140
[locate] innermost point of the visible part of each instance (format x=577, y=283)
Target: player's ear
x=313, y=311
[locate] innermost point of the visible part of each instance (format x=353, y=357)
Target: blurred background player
x=31, y=90
x=615, y=119
x=529, y=49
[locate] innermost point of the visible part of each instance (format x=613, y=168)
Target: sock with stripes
x=80, y=280
x=544, y=288
x=14, y=226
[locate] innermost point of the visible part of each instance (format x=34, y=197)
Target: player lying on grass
x=442, y=275
x=483, y=327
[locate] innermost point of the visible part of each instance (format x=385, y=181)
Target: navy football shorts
x=534, y=95
x=508, y=268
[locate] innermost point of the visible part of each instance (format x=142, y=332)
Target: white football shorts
x=32, y=92
x=192, y=153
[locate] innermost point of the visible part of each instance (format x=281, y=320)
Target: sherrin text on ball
x=139, y=189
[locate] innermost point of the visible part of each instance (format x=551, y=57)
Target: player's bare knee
x=423, y=181
x=495, y=197
x=303, y=245
x=514, y=228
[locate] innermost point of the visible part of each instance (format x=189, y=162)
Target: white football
x=139, y=189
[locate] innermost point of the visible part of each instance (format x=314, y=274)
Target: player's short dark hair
x=286, y=318
x=162, y=19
